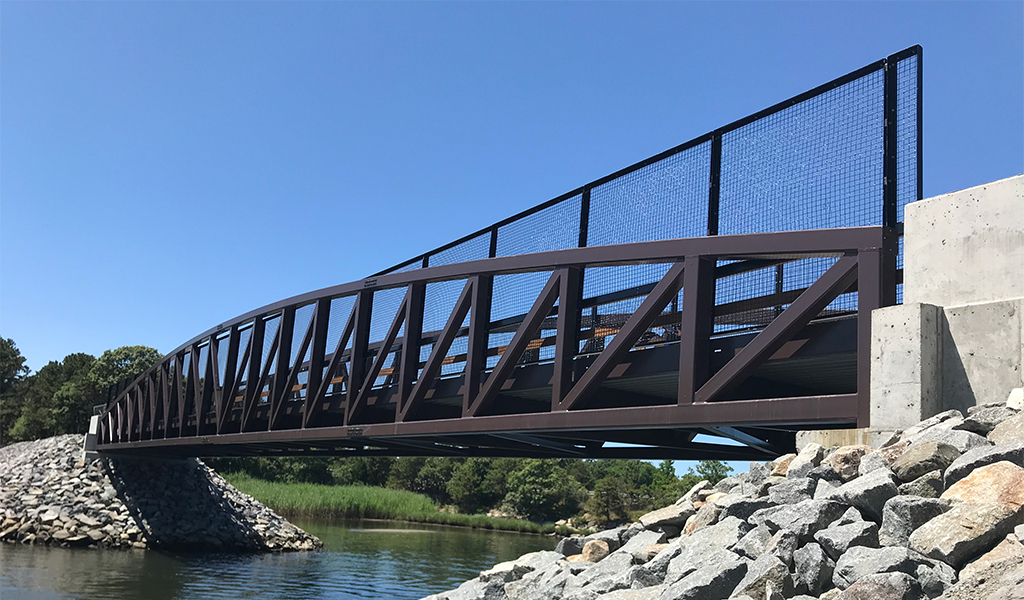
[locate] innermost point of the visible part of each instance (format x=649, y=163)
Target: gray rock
x=795, y=489
x=904, y=514
x=871, y=461
x=783, y=545
x=922, y=458
x=928, y=485
x=983, y=419
x=838, y=539
x=861, y=561
x=706, y=515
x=695, y=493
x=694, y=554
x=753, y=543
x=953, y=416
x=640, y=541
x=612, y=536
x=611, y=567
x=810, y=456
x=474, y=589
x=768, y=483
x=726, y=533
x=516, y=569
x=740, y=506
x=852, y=515
x=812, y=570
x=570, y=546
x=546, y=583
x=824, y=489
x=765, y=572
x=714, y=580
x=825, y=472
x=963, y=532
x=633, y=577
x=884, y=586
x=631, y=530
x=647, y=593
x=729, y=485
x=1009, y=431
x=961, y=440
x=673, y=514
x=935, y=578
x=869, y=493
x=805, y=518
x=980, y=457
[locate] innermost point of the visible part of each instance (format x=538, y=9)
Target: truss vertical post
x=714, y=185
x=890, y=164
x=697, y=325
x=285, y=332
x=225, y=399
x=360, y=347
x=478, y=340
x=255, y=367
x=567, y=334
x=315, y=374
x=409, y=365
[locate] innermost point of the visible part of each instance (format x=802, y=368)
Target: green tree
x=543, y=490
x=607, y=501
x=466, y=486
x=362, y=470
x=433, y=478
x=119, y=364
x=12, y=377
x=713, y=470
x=404, y=472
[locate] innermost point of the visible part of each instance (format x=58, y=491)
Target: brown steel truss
x=575, y=399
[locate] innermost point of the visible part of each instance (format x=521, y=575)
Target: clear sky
x=167, y=166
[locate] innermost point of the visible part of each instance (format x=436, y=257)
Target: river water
x=360, y=559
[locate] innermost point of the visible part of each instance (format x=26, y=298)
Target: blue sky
x=167, y=166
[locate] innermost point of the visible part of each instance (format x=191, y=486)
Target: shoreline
x=315, y=501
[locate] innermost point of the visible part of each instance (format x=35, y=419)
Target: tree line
x=60, y=397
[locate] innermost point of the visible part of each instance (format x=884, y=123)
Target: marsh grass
x=309, y=500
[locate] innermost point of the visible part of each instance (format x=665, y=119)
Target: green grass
x=363, y=502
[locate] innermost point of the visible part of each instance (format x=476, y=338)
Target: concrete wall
x=958, y=339
x=966, y=247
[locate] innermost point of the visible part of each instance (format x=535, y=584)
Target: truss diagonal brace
x=637, y=324
x=833, y=282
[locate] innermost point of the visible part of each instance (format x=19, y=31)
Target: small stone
x=810, y=456
x=725, y=534
x=1016, y=399
x=838, y=539
x=859, y=562
x=902, y=515
x=783, y=545
x=805, y=518
x=570, y=546
x=781, y=464
x=1010, y=431
x=753, y=544
x=767, y=571
x=961, y=440
x=812, y=570
x=714, y=580
x=706, y=515
x=928, y=485
x=923, y=458
x=740, y=507
x=595, y=550
x=882, y=586
x=846, y=460
x=985, y=419
x=796, y=489
x=673, y=514
x=869, y=493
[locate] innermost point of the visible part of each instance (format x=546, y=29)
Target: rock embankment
x=48, y=497
x=936, y=512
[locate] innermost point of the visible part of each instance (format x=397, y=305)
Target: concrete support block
x=906, y=363
x=982, y=353
x=966, y=247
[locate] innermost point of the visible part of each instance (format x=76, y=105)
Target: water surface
x=360, y=559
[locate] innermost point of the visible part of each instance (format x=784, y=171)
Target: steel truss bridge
x=723, y=287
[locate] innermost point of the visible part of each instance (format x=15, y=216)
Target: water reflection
x=361, y=559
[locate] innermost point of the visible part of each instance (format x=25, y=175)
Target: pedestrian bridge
x=719, y=291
